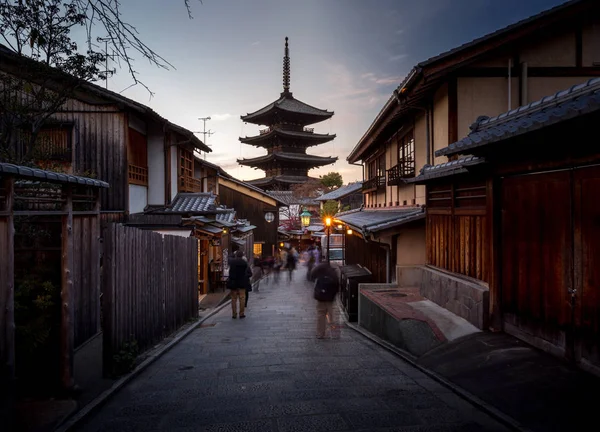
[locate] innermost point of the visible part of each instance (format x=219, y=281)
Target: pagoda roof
x=290, y=107
x=309, y=138
x=296, y=158
x=280, y=179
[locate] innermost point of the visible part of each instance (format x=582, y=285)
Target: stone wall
x=461, y=295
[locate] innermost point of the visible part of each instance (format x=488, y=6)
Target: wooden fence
x=150, y=286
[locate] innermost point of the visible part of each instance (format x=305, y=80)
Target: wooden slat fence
x=150, y=286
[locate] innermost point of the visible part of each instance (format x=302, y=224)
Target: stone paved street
x=269, y=373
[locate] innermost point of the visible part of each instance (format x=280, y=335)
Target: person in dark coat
x=325, y=274
x=237, y=283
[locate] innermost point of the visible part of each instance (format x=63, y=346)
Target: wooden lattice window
x=137, y=154
x=257, y=249
x=406, y=155
x=187, y=182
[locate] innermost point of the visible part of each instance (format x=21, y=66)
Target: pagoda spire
x=286, y=68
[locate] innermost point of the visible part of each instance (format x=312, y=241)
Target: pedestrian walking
x=237, y=283
x=312, y=258
x=292, y=258
x=257, y=272
x=325, y=290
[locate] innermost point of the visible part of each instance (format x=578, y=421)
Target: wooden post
x=97, y=235
x=10, y=279
x=67, y=296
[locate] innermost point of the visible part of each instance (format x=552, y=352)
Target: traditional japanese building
x=286, y=138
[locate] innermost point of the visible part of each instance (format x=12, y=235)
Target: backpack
x=325, y=289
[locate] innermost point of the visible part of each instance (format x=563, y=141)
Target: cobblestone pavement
x=268, y=372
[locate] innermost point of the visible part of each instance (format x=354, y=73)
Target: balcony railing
x=189, y=184
x=138, y=175
x=404, y=169
x=373, y=184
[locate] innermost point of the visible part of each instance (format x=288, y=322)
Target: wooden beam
x=67, y=297
x=452, y=110
x=493, y=228
x=543, y=72
x=579, y=47
x=7, y=298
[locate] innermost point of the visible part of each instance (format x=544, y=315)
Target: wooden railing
x=138, y=175
x=189, y=184
x=373, y=184
x=404, y=169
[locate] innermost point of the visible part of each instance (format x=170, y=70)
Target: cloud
x=220, y=117
x=255, y=43
x=399, y=31
x=397, y=57
x=383, y=80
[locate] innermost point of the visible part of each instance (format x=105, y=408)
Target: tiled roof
x=446, y=169
x=567, y=104
x=341, y=192
x=193, y=203
x=48, y=176
x=312, y=160
x=226, y=217
x=288, y=103
x=288, y=179
x=310, y=137
x=370, y=221
x=315, y=228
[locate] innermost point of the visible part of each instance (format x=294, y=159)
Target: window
x=137, y=154
x=257, y=249
x=406, y=155
x=381, y=170
x=187, y=182
x=52, y=144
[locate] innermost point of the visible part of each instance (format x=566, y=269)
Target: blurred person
x=237, y=283
x=325, y=289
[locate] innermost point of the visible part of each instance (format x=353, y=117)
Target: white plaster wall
x=138, y=198
x=156, y=167
x=174, y=171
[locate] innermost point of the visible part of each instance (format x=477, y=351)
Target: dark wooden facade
x=532, y=233
x=254, y=209
x=369, y=254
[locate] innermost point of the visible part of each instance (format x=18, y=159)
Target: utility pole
x=108, y=56
x=205, y=132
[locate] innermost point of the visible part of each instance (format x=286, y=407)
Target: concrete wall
x=465, y=297
x=138, y=198
x=156, y=166
x=410, y=246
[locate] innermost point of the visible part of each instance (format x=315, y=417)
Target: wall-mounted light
x=224, y=230
x=349, y=232
x=269, y=217
x=340, y=226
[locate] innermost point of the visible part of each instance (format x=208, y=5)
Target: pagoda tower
x=286, y=138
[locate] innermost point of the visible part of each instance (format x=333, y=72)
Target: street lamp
x=305, y=218
x=328, y=225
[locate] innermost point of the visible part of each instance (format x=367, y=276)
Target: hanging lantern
x=269, y=217
x=305, y=218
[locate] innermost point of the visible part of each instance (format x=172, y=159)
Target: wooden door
x=537, y=254
x=587, y=263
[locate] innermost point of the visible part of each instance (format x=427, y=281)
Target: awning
x=371, y=221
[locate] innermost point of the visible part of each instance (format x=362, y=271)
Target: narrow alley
x=270, y=373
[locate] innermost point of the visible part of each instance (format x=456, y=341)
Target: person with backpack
x=325, y=290
x=238, y=282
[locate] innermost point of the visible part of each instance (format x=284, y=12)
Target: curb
x=103, y=397
x=492, y=411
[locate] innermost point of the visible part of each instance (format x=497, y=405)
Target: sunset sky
x=347, y=56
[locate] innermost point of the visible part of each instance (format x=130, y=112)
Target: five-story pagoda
x=286, y=138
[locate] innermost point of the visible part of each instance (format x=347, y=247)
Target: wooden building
x=520, y=215
x=145, y=158
x=286, y=138
x=438, y=100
